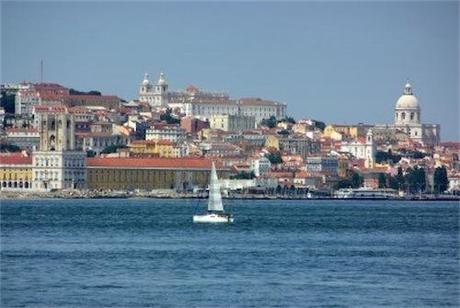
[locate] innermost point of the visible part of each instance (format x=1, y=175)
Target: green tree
x=440, y=180
x=342, y=183
x=90, y=153
x=92, y=92
x=382, y=156
x=356, y=180
x=243, y=175
x=289, y=120
x=320, y=125
x=400, y=180
x=167, y=116
x=112, y=149
x=270, y=122
x=283, y=132
x=393, y=182
x=416, y=179
x=7, y=102
x=6, y=147
x=382, y=180
x=274, y=158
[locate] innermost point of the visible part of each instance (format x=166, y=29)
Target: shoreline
x=130, y=195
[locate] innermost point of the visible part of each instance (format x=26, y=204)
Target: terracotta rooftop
x=21, y=130
x=50, y=108
x=15, y=159
x=160, y=163
x=257, y=101
x=160, y=141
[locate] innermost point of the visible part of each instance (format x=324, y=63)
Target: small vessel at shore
x=216, y=213
x=366, y=193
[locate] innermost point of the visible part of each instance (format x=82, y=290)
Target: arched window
x=403, y=116
x=412, y=116
x=52, y=143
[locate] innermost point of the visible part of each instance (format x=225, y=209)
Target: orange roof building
x=150, y=173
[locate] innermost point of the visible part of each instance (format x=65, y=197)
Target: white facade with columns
x=408, y=119
x=205, y=104
x=362, y=149
x=57, y=164
x=156, y=95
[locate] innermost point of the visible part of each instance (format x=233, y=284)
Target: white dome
x=408, y=100
x=146, y=80
x=162, y=80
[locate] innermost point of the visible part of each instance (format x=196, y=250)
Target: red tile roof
x=15, y=159
x=18, y=130
x=160, y=141
x=50, y=108
x=257, y=101
x=158, y=163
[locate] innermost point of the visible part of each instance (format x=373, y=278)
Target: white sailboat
x=216, y=213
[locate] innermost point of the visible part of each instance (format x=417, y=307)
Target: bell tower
x=56, y=129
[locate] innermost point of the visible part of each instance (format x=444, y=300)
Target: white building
x=26, y=98
x=205, y=104
x=156, y=95
x=25, y=138
x=408, y=119
x=173, y=133
x=256, y=107
x=322, y=164
x=57, y=165
x=228, y=122
x=261, y=109
x=362, y=149
x=260, y=166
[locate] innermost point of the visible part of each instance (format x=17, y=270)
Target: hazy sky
x=340, y=62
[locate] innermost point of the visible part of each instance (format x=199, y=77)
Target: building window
x=403, y=115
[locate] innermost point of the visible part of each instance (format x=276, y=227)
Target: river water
x=147, y=252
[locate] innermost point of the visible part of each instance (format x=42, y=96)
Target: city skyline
x=357, y=62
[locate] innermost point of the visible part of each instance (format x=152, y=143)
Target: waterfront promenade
x=171, y=194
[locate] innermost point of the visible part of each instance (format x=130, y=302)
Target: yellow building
x=330, y=132
x=150, y=173
x=159, y=148
x=338, y=131
x=15, y=171
x=272, y=142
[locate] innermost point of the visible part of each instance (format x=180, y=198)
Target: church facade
x=408, y=120
x=57, y=164
x=194, y=102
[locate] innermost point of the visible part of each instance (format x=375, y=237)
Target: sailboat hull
x=212, y=218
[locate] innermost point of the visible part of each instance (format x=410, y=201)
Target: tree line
x=414, y=180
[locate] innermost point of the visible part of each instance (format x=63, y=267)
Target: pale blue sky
x=340, y=62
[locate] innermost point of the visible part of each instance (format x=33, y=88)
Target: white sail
x=215, y=198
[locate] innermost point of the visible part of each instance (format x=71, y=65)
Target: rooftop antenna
x=41, y=71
